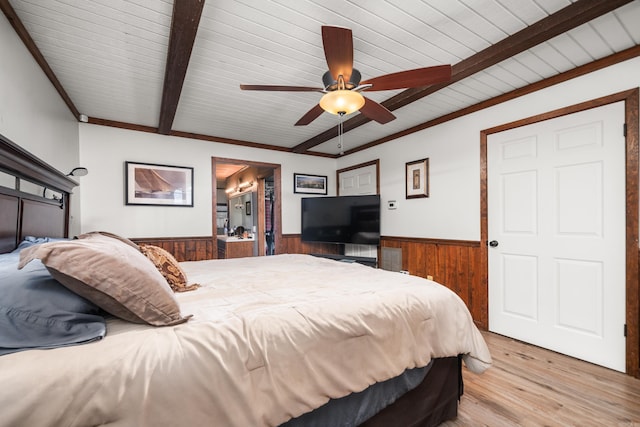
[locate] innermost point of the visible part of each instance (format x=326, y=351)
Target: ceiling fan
x=342, y=85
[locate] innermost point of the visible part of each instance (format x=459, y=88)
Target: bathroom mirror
x=242, y=211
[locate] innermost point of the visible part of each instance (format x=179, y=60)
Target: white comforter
x=271, y=338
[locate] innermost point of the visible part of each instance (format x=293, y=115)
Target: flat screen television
x=341, y=219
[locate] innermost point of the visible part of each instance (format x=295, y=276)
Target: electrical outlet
x=404, y=272
x=392, y=204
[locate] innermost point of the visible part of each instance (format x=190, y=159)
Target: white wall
x=103, y=150
x=32, y=114
x=452, y=210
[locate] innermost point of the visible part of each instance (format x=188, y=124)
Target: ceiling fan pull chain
x=340, y=133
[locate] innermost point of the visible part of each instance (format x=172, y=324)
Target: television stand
x=364, y=260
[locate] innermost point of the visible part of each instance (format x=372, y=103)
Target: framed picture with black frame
x=309, y=184
x=158, y=185
x=417, y=179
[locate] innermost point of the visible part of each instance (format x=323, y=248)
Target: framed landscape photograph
x=417, y=177
x=309, y=184
x=158, y=185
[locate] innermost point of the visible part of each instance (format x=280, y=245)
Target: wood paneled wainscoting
x=293, y=244
x=184, y=248
x=457, y=264
x=200, y=248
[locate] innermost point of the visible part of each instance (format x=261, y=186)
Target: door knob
x=493, y=243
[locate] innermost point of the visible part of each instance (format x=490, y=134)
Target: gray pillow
x=38, y=312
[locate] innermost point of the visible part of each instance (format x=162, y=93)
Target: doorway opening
x=261, y=179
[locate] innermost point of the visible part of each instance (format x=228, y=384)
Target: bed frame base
x=434, y=401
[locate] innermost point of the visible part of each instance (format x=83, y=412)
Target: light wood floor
x=530, y=386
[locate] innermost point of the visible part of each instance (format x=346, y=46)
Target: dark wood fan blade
x=411, y=78
x=376, y=111
x=282, y=88
x=338, y=49
x=311, y=115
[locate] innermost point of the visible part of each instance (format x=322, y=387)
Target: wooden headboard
x=24, y=214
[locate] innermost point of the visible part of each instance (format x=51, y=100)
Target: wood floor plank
x=531, y=386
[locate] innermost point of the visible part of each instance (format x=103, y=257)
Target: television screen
x=342, y=219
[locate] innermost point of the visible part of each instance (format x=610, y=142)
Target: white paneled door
x=358, y=181
x=556, y=200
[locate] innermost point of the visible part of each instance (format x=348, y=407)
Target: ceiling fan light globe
x=342, y=102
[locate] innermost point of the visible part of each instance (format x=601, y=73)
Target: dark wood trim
x=19, y=162
x=277, y=191
x=121, y=125
x=483, y=266
x=375, y=162
x=570, y=17
x=564, y=111
x=214, y=203
x=277, y=209
x=233, y=141
x=184, y=27
x=630, y=98
x=260, y=228
x=632, y=262
x=22, y=32
x=198, y=136
x=427, y=241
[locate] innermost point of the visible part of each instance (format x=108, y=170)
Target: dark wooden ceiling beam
x=184, y=26
x=570, y=17
x=22, y=32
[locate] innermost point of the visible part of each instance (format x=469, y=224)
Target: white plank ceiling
x=110, y=56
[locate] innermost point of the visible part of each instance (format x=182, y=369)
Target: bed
x=291, y=340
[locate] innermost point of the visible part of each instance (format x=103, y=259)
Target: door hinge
x=624, y=130
x=625, y=330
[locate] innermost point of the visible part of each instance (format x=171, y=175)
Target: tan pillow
x=168, y=266
x=106, y=233
x=111, y=274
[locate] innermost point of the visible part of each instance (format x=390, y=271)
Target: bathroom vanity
x=235, y=247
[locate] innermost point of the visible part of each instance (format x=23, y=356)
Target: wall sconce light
x=242, y=186
x=79, y=171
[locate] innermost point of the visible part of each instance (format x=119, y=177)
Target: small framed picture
x=417, y=176
x=247, y=208
x=309, y=184
x=158, y=185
